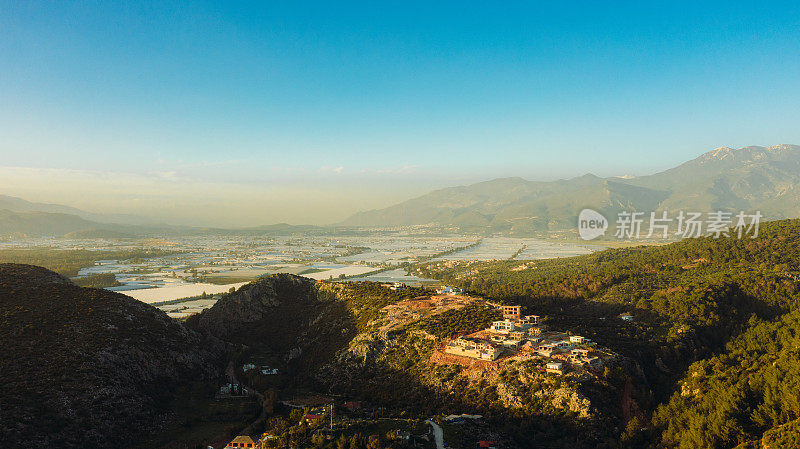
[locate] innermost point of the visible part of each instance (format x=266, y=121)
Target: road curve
x=438, y=434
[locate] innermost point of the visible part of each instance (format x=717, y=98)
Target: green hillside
x=710, y=359
x=68, y=262
x=714, y=330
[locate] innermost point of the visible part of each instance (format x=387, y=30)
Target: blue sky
x=401, y=96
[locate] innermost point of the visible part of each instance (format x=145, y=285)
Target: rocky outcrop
x=300, y=320
x=253, y=302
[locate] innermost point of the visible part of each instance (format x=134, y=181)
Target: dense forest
x=714, y=330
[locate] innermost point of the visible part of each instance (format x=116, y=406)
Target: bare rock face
x=296, y=318
x=89, y=368
x=254, y=302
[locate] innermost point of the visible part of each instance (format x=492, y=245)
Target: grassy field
x=68, y=262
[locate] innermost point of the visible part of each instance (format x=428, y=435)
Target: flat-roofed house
x=503, y=326
x=563, y=345
x=518, y=335
x=507, y=342
x=447, y=290
x=555, y=367
x=534, y=331
x=312, y=418
x=546, y=350
x=475, y=348
x=577, y=339
x=578, y=352
x=592, y=362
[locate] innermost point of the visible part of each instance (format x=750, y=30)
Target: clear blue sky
x=437, y=92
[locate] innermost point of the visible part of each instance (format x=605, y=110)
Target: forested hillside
x=714, y=330
x=344, y=339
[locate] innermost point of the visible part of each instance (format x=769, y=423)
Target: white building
x=447, y=290
x=506, y=342
x=475, y=348
x=555, y=367
x=503, y=326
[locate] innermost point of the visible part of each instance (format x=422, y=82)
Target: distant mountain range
x=19, y=217
x=749, y=178
x=56, y=224
x=15, y=204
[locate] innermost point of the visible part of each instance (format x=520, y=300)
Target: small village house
x=506, y=342
x=579, y=352
x=312, y=418
x=577, y=339
x=447, y=290
x=475, y=348
x=555, y=367
x=503, y=326
x=241, y=441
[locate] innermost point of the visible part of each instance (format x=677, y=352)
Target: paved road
x=438, y=434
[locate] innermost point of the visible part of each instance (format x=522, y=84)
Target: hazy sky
x=244, y=113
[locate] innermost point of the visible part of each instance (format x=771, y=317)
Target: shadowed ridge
x=89, y=368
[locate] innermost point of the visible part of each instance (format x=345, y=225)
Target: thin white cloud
x=168, y=175
x=326, y=169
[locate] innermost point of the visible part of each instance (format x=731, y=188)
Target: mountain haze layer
x=15, y=204
x=749, y=178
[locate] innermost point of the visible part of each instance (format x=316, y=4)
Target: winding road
x=438, y=434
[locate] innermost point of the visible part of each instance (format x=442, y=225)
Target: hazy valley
x=399, y=225
x=400, y=335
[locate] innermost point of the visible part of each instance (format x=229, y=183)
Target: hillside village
x=521, y=336
x=515, y=337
